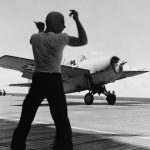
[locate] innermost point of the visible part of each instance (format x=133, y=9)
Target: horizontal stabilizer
x=21, y=84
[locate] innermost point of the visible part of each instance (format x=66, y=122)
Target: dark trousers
x=49, y=86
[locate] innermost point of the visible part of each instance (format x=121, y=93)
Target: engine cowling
x=103, y=63
x=116, y=65
x=106, y=70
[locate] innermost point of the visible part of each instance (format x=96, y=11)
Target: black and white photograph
x=75, y=75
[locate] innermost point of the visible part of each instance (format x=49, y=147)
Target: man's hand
x=40, y=26
x=74, y=14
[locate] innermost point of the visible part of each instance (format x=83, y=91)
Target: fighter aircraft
x=91, y=75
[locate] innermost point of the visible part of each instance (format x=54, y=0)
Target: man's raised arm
x=82, y=37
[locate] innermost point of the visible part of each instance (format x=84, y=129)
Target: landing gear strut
x=89, y=97
x=110, y=97
x=100, y=89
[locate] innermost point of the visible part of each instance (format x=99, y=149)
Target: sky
x=114, y=27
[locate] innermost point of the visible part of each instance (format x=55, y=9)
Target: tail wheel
x=88, y=99
x=111, y=99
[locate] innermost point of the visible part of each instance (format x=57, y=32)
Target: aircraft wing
x=27, y=67
x=72, y=72
x=16, y=63
x=126, y=74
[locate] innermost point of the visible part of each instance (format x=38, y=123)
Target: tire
x=88, y=99
x=111, y=99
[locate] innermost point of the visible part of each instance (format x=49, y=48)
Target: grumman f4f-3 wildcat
x=91, y=75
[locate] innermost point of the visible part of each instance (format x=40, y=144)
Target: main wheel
x=111, y=99
x=88, y=99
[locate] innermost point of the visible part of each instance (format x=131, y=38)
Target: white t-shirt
x=48, y=51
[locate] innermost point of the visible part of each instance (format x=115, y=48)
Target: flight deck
x=124, y=126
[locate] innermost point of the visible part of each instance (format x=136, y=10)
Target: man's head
x=55, y=22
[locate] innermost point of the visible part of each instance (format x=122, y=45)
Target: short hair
x=54, y=18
